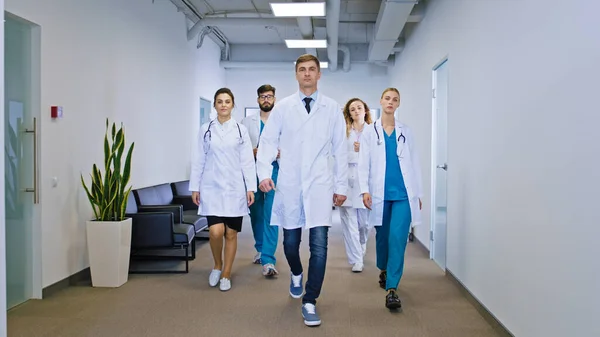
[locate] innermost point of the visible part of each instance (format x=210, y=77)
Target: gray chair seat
x=183, y=233
x=191, y=217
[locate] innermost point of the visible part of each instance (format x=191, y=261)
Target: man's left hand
x=338, y=199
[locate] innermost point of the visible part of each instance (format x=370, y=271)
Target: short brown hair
x=390, y=89
x=308, y=58
x=265, y=88
x=224, y=91
x=348, y=118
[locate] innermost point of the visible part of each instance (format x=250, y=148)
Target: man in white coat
x=309, y=129
x=265, y=235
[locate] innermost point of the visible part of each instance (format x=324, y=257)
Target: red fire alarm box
x=56, y=112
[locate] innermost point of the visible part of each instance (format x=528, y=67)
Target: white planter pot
x=109, y=246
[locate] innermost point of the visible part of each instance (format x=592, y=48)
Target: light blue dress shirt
x=313, y=96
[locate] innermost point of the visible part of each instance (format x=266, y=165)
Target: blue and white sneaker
x=269, y=270
x=309, y=313
x=257, y=258
x=296, y=289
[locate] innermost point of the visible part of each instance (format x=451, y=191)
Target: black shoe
x=382, y=279
x=392, y=301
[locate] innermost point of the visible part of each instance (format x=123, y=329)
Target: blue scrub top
x=394, y=182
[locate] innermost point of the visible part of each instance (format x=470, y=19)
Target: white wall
x=126, y=60
x=523, y=175
x=363, y=81
x=3, y=329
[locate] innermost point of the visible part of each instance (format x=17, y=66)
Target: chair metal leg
x=187, y=261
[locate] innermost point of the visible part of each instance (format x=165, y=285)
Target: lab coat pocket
x=376, y=217
x=415, y=212
x=351, y=182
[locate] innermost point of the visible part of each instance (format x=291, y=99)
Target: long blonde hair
x=348, y=117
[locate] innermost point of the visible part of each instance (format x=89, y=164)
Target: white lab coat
x=371, y=169
x=252, y=123
x=223, y=170
x=354, y=199
x=306, y=182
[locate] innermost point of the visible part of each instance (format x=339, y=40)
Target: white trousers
x=355, y=230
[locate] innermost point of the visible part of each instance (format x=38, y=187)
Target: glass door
x=440, y=166
x=20, y=158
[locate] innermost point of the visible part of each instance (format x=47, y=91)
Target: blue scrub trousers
x=391, y=238
x=265, y=235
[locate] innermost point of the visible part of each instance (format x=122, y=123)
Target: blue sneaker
x=296, y=289
x=309, y=313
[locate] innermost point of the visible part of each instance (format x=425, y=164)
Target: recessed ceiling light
x=297, y=9
x=306, y=43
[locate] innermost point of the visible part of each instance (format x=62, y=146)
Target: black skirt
x=234, y=222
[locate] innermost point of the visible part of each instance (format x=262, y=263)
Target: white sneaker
x=364, y=249
x=269, y=270
x=225, y=284
x=257, y=258
x=357, y=267
x=213, y=279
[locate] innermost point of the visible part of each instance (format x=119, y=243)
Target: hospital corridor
x=394, y=168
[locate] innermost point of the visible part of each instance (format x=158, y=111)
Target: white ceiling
x=365, y=30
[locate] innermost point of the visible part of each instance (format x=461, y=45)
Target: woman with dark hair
x=353, y=213
x=223, y=182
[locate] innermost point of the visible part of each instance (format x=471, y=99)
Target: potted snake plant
x=109, y=233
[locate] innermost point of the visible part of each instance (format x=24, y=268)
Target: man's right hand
x=267, y=185
x=196, y=198
x=367, y=200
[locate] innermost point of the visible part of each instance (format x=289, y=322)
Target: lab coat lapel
x=379, y=132
x=400, y=141
x=318, y=105
x=300, y=109
x=301, y=114
x=304, y=116
x=256, y=119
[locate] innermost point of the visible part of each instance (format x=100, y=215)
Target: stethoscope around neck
x=208, y=134
x=380, y=141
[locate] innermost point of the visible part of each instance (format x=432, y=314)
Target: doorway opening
x=439, y=163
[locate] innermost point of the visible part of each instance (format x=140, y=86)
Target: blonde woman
x=223, y=182
x=353, y=213
x=390, y=181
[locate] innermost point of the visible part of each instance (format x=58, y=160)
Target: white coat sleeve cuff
x=341, y=191
x=264, y=173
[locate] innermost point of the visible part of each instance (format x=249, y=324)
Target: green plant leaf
x=108, y=192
